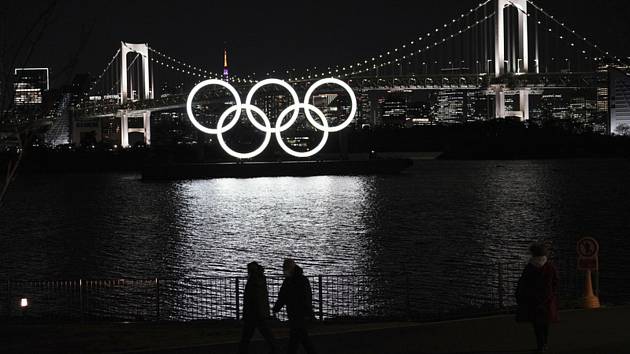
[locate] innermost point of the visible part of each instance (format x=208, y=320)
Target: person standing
x=296, y=294
x=256, y=308
x=537, y=294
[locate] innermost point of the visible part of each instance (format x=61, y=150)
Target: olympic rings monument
x=301, y=163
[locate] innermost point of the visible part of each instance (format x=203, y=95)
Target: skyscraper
x=30, y=85
x=394, y=109
x=450, y=107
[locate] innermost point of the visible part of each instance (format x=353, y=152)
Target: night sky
x=262, y=35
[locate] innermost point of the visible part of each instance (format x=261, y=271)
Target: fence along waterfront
x=383, y=296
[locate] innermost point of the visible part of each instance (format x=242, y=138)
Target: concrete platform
x=604, y=331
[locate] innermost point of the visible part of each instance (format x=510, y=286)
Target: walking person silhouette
x=256, y=309
x=537, y=294
x=296, y=294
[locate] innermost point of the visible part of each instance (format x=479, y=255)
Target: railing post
x=237, y=294
x=157, y=299
x=81, y=298
x=407, y=294
x=500, y=285
x=9, y=298
x=320, y=298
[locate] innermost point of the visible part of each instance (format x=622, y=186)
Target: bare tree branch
x=32, y=38
x=6, y=67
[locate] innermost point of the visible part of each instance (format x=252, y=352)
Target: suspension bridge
x=505, y=50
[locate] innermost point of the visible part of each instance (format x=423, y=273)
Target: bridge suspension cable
x=462, y=25
x=175, y=64
x=181, y=66
x=105, y=71
x=577, y=35
x=558, y=48
x=391, y=55
x=466, y=44
x=436, y=44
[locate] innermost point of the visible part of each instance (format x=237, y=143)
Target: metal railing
x=394, y=296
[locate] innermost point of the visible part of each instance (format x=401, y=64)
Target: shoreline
x=58, y=162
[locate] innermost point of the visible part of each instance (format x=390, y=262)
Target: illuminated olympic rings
x=293, y=110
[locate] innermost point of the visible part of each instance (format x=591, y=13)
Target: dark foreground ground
x=603, y=331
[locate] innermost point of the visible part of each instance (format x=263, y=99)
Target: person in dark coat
x=295, y=293
x=537, y=294
x=256, y=308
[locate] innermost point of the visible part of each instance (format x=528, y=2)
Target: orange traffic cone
x=590, y=300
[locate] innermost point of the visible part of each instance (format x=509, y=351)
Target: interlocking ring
x=285, y=85
x=194, y=92
x=237, y=108
x=266, y=127
x=307, y=107
x=353, y=100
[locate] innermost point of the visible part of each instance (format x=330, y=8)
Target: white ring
x=193, y=93
x=284, y=84
x=319, y=147
x=353, y=100
x=220, y=131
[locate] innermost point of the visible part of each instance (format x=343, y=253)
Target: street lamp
x=23, y=305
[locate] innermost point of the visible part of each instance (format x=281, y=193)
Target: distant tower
x=226, y=76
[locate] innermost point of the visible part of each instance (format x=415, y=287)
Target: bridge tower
x=137, y=116
x=147, y=92
x=515, y=58
x=143, y=51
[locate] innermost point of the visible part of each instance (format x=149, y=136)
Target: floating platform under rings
x=274, y=169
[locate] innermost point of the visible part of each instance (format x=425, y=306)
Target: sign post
x=588, y=261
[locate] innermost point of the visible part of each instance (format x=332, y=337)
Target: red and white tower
x=226, y=76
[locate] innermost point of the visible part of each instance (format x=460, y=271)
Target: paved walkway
x=603, y=331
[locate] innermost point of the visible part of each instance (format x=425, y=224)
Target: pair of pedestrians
x=295, y=293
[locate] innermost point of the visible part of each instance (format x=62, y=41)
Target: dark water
x=446, y=222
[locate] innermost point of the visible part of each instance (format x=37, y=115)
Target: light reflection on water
x=446, y=222
x=317, y=220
